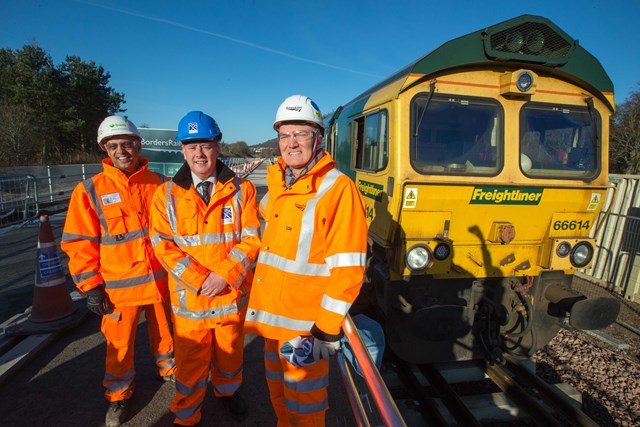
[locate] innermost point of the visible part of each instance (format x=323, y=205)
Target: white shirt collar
x=197, y=180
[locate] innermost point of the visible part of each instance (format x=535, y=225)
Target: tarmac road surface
x=62, y=384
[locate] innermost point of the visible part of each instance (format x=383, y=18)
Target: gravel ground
x=606, y=372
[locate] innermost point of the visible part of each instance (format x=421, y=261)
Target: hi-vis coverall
x=192, y=239
x=106, y=236
x=309, y=272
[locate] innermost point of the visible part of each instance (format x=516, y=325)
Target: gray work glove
x=97, y=301
x=324, y=349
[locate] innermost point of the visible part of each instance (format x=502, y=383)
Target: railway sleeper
x=483, y=402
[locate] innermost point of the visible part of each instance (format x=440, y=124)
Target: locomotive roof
x=559, y=55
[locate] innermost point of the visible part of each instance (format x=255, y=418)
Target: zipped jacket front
x=106, y=236
x=312, y=259
x=192, y=239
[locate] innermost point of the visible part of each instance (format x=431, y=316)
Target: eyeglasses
x=298, y=135
x=127, y=145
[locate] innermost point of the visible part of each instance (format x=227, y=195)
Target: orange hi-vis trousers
x=298, y=394
x=204, y=354
x=119, y=329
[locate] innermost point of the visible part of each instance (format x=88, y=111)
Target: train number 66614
x=571, y=225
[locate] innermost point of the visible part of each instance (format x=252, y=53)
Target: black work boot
x=168, y=378
x=117, y=413
x=235, y=405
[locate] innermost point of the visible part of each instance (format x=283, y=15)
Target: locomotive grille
x=531, y=42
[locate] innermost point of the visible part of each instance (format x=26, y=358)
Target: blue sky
x=238, y=59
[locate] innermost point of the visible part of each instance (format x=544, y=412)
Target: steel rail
x=451, y=400
x=552, y=396
x=507, y=384
x=428, y=407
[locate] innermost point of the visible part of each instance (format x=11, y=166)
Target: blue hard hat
x=197, y=125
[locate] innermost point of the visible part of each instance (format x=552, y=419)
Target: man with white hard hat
x=111, y=260
x=310, y=267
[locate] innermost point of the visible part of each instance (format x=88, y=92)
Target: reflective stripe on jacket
x=106, y=236
x=311, y=263
x=191, y=239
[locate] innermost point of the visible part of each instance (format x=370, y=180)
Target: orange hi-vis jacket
x=312, y=259
x=192, y=239
x=106, y=236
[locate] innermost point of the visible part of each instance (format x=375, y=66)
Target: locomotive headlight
x=535, y=41
x=563, y=249
x=418, y=258
x=442, y=251
x=514, y=41
x=581, y=254
x=524, y=81
x=518, y=83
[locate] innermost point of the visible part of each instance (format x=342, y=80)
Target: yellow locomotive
x=483, y=166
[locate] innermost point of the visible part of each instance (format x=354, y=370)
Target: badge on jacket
x=227, y=215
x=109, y=199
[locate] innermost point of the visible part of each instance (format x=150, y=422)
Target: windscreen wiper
x=432, y=89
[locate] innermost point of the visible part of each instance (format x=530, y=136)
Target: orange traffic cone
x=52, y=308
x=51, y=299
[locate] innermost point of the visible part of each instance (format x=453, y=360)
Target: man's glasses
x=127, y=145
x=298, y=135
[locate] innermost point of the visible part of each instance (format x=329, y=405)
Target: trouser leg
x=119, y=328
x=160, y=337
x=275, y=380
x=193, y=361
x=305, y=391
x=228, y=350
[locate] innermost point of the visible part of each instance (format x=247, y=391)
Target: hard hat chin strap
x=317, y=144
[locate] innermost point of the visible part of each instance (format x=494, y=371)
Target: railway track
x=475, y=393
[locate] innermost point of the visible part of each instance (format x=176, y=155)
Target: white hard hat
x=114, y=126
x=298, y=108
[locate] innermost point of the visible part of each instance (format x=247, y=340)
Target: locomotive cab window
x=370, y=136
x=461, y=136
x=558, y=141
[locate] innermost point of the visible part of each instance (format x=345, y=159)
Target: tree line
x=624, y=148
x=49, y=113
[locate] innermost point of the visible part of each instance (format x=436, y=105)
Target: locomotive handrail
x=381, y=397
x=602, y=218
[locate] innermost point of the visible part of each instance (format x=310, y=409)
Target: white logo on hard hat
x=297, y=109
x=193, y=127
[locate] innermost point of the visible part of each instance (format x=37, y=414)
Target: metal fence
x=617, y=258
x=615, y=270
x=25, y=191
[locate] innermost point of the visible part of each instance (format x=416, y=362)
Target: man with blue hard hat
x=206, y=232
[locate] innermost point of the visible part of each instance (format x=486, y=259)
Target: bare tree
x=19, y=142
x=625, y=137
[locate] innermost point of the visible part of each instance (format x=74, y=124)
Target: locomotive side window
x=370, y=136
x=455, y=135
x=558, y=141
